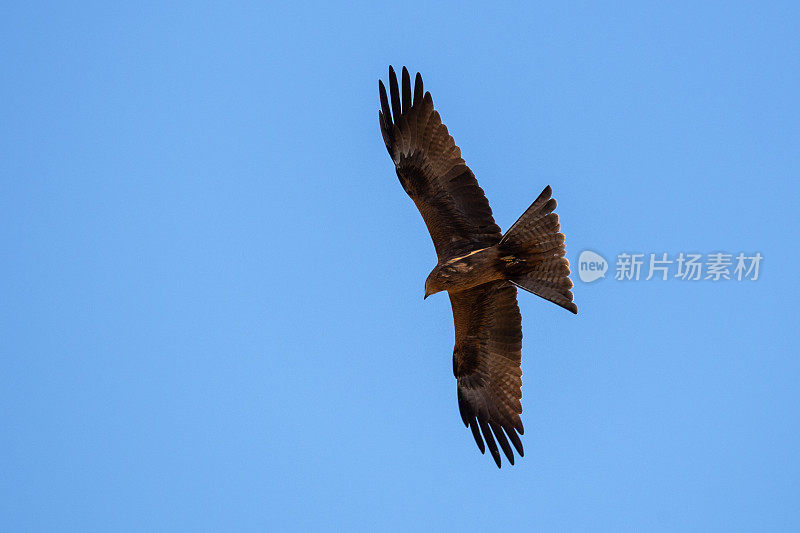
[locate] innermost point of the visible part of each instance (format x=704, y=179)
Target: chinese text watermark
x=717, y=266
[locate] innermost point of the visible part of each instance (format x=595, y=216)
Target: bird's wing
x=486, y=363
x=432, y=172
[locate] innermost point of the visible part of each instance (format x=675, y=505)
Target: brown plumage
x=478, y=266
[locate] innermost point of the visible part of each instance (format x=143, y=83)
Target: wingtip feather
x=477, y=436
x=394, y=95
x=492, y=445
x=387, y=113
x=406, y=80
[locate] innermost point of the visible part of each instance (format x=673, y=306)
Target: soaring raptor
x=478, y=265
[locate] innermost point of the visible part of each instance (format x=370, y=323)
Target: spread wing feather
x=431, y=170
x=486, y=363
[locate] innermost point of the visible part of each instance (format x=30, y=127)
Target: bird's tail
x=532, y=253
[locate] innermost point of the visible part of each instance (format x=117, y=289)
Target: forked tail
x=532, y=252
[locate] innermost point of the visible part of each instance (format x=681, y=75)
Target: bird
x=479, y=267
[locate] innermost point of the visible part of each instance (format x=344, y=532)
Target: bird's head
x=428, y=289
x=435, y=282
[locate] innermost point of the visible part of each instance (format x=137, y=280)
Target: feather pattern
x=431, y=170
x=486, y=364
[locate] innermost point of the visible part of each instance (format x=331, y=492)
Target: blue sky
x=212, y=315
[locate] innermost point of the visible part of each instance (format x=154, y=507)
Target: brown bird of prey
x=478, y=265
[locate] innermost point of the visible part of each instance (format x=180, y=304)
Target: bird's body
x=465, y=271
x=477, y=265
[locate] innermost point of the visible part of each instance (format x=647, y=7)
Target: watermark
x=717, y=266
x=591, y=266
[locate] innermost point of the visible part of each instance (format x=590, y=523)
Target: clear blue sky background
x=211, y=311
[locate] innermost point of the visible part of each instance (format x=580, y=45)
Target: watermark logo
x=591, y=266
